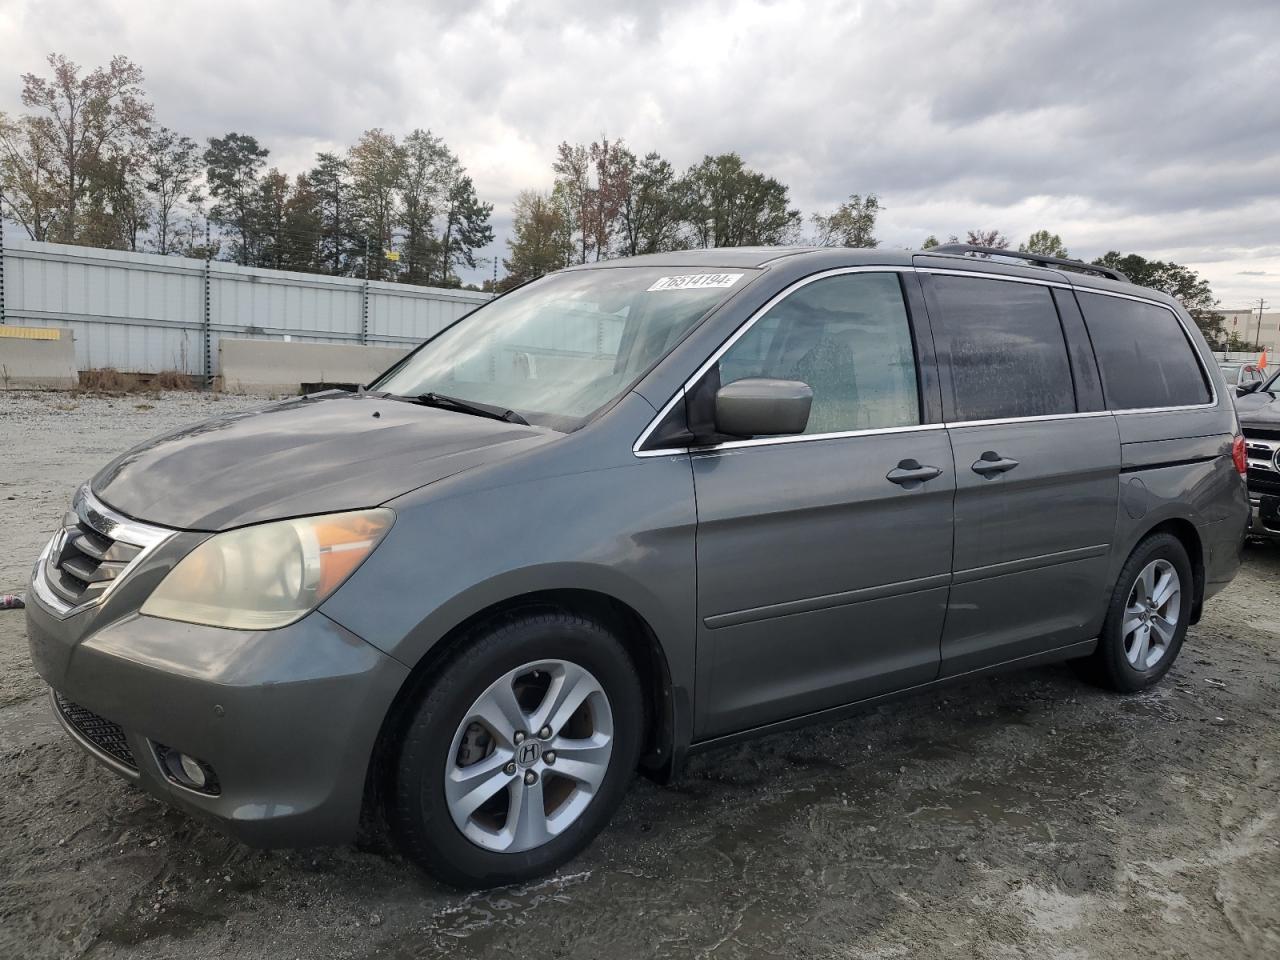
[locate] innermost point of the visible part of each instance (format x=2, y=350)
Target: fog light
x=191, y=767
x=187, y=771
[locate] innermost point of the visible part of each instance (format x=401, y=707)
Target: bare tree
x=574, y=192
x=376, y=162
x=26, y=175
x=852, y=224
x=1046, y=243
x=170, y=173
x=78, y=120
x=988, y=238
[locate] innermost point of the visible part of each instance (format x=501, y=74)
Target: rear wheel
x=1147, y=619
x=518, y=752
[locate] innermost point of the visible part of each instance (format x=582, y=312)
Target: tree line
x=88, y=163
x=1183, y=283
x=606, y=201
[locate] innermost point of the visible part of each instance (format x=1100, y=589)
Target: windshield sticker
x=695, y=281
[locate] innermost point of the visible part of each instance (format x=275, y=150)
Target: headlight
x=268, y=576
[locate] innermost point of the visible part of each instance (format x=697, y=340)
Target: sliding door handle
x=991, y=465
x=910, y=473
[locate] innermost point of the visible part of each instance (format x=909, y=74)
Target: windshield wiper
x=489, y=410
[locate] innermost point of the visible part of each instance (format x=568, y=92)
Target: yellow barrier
x=30, y=333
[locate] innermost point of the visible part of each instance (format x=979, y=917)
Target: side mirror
x=1246, y=388
x=760, y=407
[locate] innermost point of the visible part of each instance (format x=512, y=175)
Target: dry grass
x=172, y=380
x=105, y=380
x=108, y=380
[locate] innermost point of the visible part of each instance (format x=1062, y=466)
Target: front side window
x=1002, y=343
x=567, y=345
x=848, y=338
x=1144, y=354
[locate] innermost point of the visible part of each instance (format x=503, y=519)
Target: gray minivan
x=633, y=510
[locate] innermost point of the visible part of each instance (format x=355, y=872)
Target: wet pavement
x=1023, y=815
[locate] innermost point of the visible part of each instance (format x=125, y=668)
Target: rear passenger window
x=848, y=338
x=1144, y=354
x=1003, y=344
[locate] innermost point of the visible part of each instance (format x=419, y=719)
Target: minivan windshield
x=561, y=348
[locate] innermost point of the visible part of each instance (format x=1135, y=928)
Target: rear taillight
x=1239, y=455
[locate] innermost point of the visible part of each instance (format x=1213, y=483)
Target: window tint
x=1145, y=356
x=1003, y=344
x=846, y=337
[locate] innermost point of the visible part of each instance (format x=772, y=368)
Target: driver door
x=823, y=574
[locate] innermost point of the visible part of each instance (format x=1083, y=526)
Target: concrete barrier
x=32, y=359
x=276, y=366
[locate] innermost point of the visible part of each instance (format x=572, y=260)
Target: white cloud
x=1151, y=127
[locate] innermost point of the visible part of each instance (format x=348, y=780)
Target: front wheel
x=518, y=752
x=1147, y=619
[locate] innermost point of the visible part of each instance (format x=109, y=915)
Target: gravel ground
x=1025, y=815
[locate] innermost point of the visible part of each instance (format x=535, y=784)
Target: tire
x=1120, y=661
x=545, y=659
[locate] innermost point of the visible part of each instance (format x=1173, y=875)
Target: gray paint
x=782, y=578
x=761, y=406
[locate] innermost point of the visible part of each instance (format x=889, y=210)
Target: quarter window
x=1144, y=354
x=1003, y=346
x=848, y=338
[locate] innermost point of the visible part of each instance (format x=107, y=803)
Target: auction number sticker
x=695, y=281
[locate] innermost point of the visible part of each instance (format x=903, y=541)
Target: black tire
x=417, y=811
x=1109, y=666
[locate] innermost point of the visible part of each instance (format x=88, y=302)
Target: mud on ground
x=1026, y=815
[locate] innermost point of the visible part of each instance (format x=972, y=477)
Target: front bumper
x=1264, y=516
x=286, y=718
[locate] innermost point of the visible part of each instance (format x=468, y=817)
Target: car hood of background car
x=319, y=454
x=1259, y=409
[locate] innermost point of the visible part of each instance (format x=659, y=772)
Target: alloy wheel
x=528, y=757
x=1151, y=614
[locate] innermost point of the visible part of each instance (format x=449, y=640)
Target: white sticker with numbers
x=695, y=281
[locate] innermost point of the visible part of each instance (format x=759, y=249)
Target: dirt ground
x=1026, y=815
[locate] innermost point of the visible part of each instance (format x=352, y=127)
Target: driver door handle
x=910, y=473
x=991, y=465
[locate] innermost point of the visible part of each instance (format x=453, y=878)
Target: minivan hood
x=320, y=454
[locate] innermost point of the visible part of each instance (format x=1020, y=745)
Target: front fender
x=626, y=532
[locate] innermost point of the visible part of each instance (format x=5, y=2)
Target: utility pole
x=1, y=255
x=207, y=332
x=1257, y=341
x=364, y=297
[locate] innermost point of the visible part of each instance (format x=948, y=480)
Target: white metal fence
x=143, y=313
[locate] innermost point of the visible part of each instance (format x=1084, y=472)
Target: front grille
x=94, y=548
x=104, y=734
x=1263, y=454
x=1264, y=483
x=85, y=562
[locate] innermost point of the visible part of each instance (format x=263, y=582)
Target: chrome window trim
x=946, y=272
x=734, y=338
x=902, y=268
x=111, y=524
x=1078, y=415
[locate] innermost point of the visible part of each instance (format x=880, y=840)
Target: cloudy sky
x=1151, y=127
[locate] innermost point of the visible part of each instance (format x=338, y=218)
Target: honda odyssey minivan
x=634, y=510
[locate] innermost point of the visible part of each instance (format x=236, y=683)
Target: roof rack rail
x=962, y=248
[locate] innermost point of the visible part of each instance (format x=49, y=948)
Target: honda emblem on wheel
x=529, y=752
